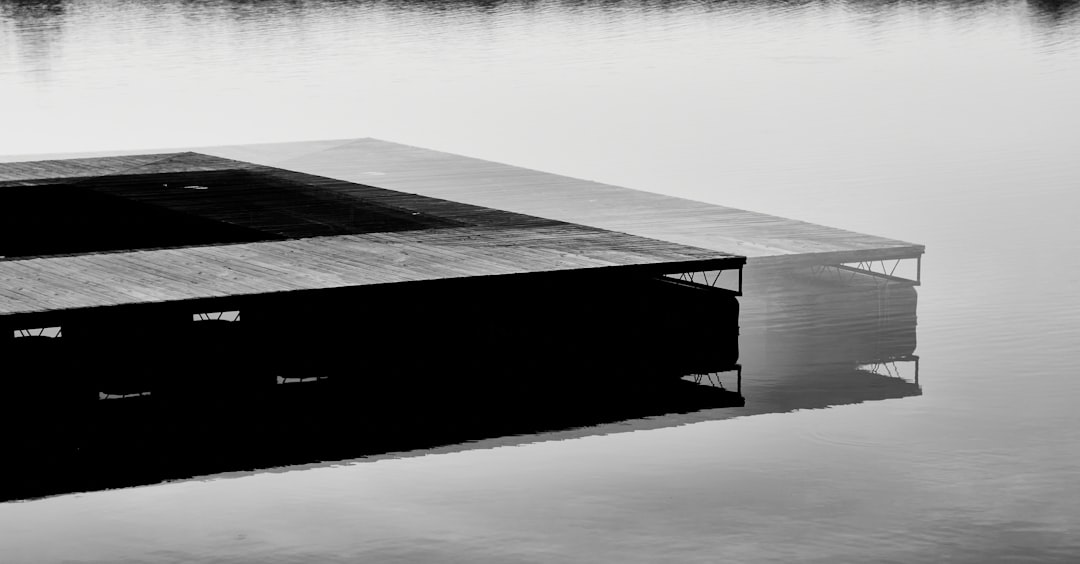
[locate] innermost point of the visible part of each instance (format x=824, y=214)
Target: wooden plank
x=153, y=276
x=71, y=168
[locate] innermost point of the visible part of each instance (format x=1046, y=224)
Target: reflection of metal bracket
x=50, y=332
x=707, y=279
x=888, y=367
x=879, y=269
x=713, y=378
x=109, y=396
x=216, y=316
x=300, y=379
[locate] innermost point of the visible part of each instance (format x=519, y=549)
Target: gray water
x=951, y=124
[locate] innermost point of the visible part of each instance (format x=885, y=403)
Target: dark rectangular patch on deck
x=191, y=199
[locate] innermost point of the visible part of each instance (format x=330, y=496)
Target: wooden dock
x=762, y=238
x=99, y=232
x=186, y=279
x=193, y=282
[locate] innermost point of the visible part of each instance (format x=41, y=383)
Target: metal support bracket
x=708, y=279
x=885, y=270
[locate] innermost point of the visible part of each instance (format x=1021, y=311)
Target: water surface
x=951, y=124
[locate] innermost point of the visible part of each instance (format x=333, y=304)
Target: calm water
x=952, y=124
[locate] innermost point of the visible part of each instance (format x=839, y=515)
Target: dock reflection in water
x=812, y=339
x=814, y=344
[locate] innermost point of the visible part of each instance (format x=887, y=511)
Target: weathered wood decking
x=202, y=272
x=32, y=172
x=440, y=215
x=763, y=238
x=760, y=237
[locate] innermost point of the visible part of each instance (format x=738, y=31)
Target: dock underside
x=560, y=325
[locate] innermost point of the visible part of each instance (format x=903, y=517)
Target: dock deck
x=185, y=227
x=436, y=214
x=762, y=238
x=204, y=272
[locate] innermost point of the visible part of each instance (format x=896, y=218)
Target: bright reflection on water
x=952, y=124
